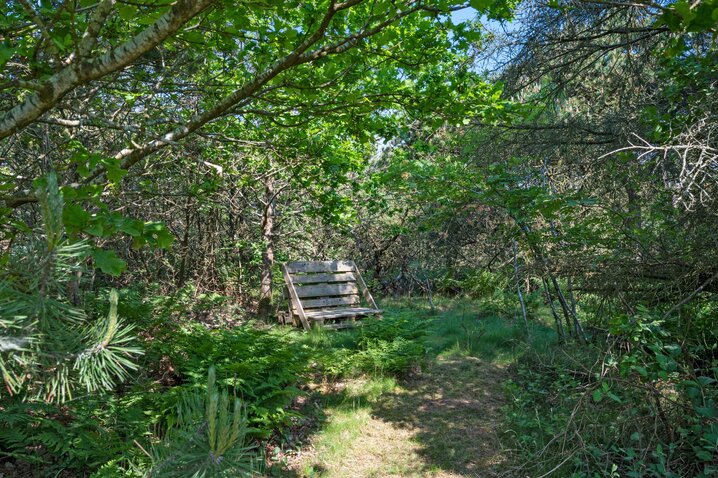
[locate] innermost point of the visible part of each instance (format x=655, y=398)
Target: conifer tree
x=50, y=348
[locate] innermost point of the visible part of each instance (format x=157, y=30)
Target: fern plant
x=206, y=438
x=49, y=348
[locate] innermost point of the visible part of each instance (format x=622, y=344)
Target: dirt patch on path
x=441, y=423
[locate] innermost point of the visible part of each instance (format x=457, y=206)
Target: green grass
x=464, y=327
x=441, y=416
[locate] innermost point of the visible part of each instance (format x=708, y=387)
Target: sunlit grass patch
x=440, y=419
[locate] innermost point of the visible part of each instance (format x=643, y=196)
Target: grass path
x=441, y=421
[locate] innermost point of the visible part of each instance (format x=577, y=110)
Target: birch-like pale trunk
x=81, y=71
x=518, y=284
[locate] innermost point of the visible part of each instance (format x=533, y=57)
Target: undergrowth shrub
x=393, y=357
x=263, y=367
x=387, y=346
x=130, y=430
x=495, y=291
x=80, y=435
x=207, y=438
x=643, y=403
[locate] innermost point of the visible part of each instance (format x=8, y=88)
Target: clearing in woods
x=441, y=421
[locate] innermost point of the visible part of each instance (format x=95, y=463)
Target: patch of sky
x=491, y=61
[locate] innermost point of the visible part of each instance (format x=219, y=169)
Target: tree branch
x=85, y=71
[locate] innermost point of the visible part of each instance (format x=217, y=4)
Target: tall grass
x=468, y=328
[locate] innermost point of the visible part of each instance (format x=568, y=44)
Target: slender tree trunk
x=569, y=315
x=265, y=288
x=182, y=275
x=571, y=297
x=431, y=298
x=518, y=284
x=559, y=326
x=567, y=310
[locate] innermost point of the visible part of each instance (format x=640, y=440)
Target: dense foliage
x=553, y=161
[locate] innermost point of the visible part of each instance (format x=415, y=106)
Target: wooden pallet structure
x=326, y=293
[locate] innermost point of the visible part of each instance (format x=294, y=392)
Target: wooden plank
x=327, y=290
x=324, y=277
x=340, y=313
x=362, y=286
x=347, y=300
x=295, y=298
x=342, y=325
x=319, y=266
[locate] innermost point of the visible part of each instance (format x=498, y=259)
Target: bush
x=263, y=367
x=496, y=291
x=635, y=406
x=389, y=346
x=127, y=432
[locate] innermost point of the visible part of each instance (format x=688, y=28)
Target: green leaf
x=157, y=235
x=597, y=395
x=614, y=397
x=127, y=12
x=108, y=262
x=114, y=172
x=704, y=455
x=95, y=229
x=5, y=54
x=132, y=227
x=708, y=412
x=481, y=5
x=75, y=217
x=684, y=10
x=149, y=19
x=193, y=36
x=642, y=371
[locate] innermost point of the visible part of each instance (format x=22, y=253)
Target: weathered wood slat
x=327, y=290
x=341, y=313
x=347, y=300
x=341, y=325
x=323, y=277
x=319, y=266
x=295, y=298
x=364, y=289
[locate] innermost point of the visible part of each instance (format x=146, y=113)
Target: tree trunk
x=577, y=328
x=570, y=316
x=265, y=288
x=559, y=326
x=518, y=285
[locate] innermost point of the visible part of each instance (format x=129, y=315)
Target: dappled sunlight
x=453, y=409
x=440, y=419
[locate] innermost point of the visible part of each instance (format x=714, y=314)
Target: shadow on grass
x=439, y=422
x=453, y=409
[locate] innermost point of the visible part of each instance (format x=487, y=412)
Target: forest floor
x=442, y=420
